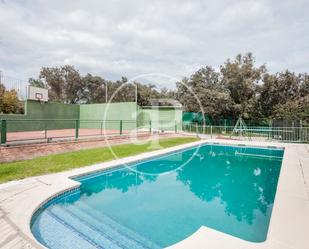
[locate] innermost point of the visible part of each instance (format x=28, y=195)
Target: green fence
x=48, y=130
x=109, y=111
x=284, y=134
x=42, y=111
x=163, y=118
x=92, y=114
x=197, y=117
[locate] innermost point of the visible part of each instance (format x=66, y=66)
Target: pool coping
x=288, y=226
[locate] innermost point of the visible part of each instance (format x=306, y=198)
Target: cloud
x=128, y=38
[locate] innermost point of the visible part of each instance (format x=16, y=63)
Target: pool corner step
x=101, y=219
x=106, y=232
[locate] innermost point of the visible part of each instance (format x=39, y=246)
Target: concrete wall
x=112, y=113
x=37, y=114
x=37, y=117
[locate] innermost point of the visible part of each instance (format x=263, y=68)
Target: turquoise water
x=159, y=203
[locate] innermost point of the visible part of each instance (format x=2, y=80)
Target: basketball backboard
x=37, y=93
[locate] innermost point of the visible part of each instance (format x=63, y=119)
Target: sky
x=131, y=38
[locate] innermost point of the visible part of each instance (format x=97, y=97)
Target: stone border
x=288, y=226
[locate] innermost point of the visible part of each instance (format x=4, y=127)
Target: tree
x=66, y=85
x=52, y=78
x=241, y=78
x=146, y=93
x=2, y=90
x=121, y=91
x=36, y=83
x=63, y=83
x=207, y=87
x=238, y=88
x=94, y=89
x=293, y=110
x=73, y=84
x=278, y=89
x=304, y=84
x=9, y=102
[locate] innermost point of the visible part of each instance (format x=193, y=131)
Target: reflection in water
x=230, y=189
x=240, y=190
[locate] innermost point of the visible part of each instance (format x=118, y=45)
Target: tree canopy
x=9, y=102
x=238, y=87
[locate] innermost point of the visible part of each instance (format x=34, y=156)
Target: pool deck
x=289, y=224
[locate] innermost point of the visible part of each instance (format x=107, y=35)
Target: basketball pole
x=136, y=92
x=105, y=92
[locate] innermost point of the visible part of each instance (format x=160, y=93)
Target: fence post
x=3, y=131
x=175, y=126
x=150, y=126
x=120, y=128
x=101, y=128
x=45, y=130
x=270, y=130
x=211, y=131
x=301, y=131
x=76, y=129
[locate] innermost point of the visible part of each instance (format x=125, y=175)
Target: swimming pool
x=161, y=201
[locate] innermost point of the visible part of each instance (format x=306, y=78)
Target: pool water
x=160, y=202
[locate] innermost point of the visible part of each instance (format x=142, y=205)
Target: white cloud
x=115, y=38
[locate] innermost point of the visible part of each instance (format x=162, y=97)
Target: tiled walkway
x=303, y=152
x=11, y=237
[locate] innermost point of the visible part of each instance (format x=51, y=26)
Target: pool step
x=101, y=219
x=55, y=233
x=102, y=232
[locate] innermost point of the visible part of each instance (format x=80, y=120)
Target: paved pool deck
x=288, y=229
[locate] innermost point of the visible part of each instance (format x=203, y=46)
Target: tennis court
x=58, y=134
x=49, y=130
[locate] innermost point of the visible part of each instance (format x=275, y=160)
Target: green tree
x=94, y=89
x=304, y=84
x=293, y=110
x=121, y=91
x=276, y=90
x=63, y=83
x=73, y=84
x=2, y=90
x=208, y=88
x=238, y=88
x=36, y=83
x=9, y=102
x=241, y=78
x=146, y=93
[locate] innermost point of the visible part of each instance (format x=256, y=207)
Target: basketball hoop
x=37, y=94
x=39, y=97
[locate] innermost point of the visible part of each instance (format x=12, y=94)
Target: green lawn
x=61, y=162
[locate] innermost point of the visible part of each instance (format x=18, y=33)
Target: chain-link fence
x=11, y=83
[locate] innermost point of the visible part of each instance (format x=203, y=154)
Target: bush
x=9, y=102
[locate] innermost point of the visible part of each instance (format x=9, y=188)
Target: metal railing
x=11, y=83
x=284, y=134
x=48, y=130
